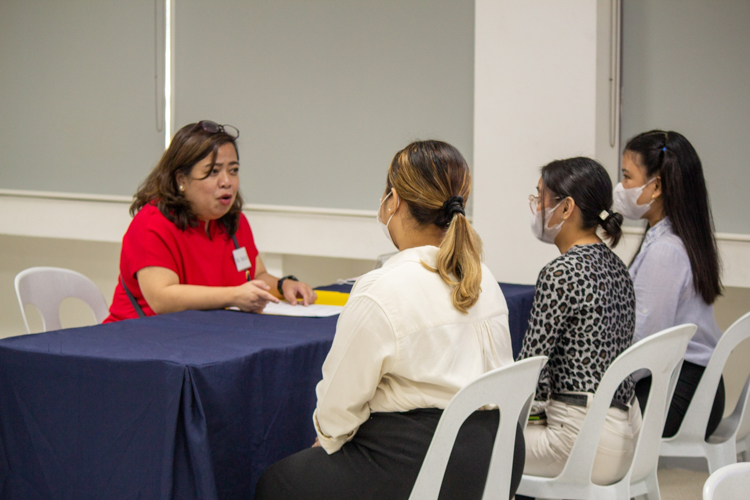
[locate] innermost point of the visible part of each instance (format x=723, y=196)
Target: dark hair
x=189, y=145
x=586, y=181
x=434, y=181
x=685, y=197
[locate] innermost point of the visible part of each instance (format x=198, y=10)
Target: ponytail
x=460, y=255
x=611, y=223
x=433, y=179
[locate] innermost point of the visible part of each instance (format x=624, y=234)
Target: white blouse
x=665, y=295
x=400, y=345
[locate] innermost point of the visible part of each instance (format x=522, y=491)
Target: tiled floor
x=681, y=484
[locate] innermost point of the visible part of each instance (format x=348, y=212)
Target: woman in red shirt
x=189, y=246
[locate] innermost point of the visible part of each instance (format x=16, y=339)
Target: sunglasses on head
x=214, y=128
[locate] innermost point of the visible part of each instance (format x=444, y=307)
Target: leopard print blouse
x=582, y=317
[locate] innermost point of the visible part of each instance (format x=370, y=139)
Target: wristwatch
x=281, y=282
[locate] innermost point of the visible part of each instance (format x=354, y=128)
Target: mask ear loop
x=653, y=197
x=551, y=212
x=398, y=203
x=383, y=201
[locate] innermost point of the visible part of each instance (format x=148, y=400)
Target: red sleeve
x=152, y=243
x=149, y=241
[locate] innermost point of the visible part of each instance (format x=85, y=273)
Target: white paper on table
x=311, y=311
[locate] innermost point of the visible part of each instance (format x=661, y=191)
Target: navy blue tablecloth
x=187, y=405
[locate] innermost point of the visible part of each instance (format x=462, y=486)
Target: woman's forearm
x=178, y=297
x=271, y=281
x=164, y=293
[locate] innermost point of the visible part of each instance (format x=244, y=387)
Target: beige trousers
x=548, y=446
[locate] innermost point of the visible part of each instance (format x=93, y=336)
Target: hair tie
x=454, y=205
x=664, y=149
x=604, y=215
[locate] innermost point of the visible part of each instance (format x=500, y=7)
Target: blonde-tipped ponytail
x=460, y=255
x=433, y=178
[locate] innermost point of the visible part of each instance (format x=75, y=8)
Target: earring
x=182, y=188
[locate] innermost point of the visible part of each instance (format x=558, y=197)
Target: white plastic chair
x=721, y=448
x=512, y=389
x=46, y=287
x=382, y=259
x=660, y=353
x=743, y=428
x=731, y=482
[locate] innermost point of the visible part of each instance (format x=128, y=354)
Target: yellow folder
x=328, y=298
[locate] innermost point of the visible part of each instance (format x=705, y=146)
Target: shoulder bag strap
x=134, y=302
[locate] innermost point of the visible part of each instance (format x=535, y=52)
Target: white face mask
x=384, y=226
x=545, y=234
x=626, y=201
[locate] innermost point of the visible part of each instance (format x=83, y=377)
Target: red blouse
x=197, y=258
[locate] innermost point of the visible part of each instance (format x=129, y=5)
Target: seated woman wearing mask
x=412, y=334
x=584, y=300
x=676, y=269
x=189, y=246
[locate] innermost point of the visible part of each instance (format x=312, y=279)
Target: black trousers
x=384, y=458
x=690, y=375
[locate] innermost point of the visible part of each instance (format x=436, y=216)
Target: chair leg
x=652, y=487
x=742, y=448
x=720, y=455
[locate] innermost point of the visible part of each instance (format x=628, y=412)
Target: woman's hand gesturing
x=253, y=296
x=294, y=289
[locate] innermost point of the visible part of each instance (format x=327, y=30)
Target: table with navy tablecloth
x=193, y=404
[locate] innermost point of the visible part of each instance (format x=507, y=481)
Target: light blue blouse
x=665, y=296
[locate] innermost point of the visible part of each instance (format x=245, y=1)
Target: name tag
x=241, y=260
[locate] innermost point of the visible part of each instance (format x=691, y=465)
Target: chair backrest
x=740, y=414
x=694, y=423
x=47, y=287
x=731, y=482
x=382, y=259
x=512, y=389
x=661, y=354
